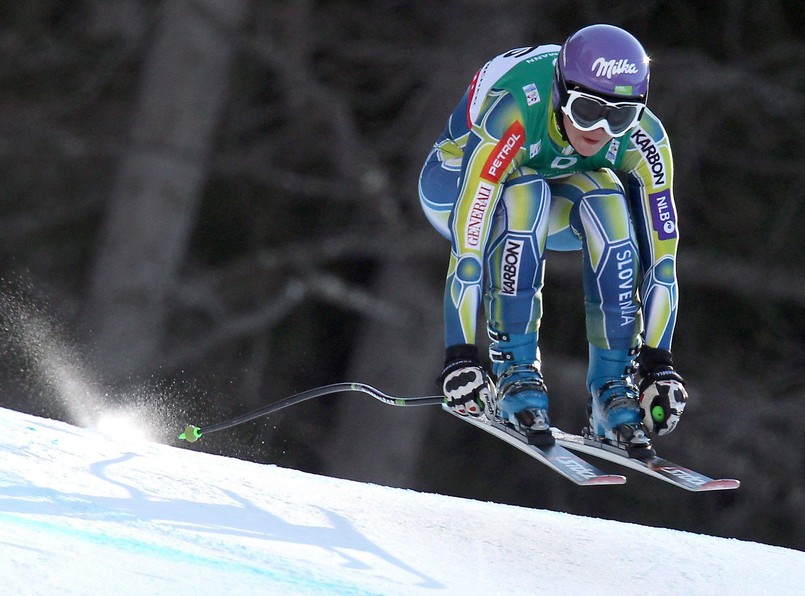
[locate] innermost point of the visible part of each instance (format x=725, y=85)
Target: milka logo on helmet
x=611, y=68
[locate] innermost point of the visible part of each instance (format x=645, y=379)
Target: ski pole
x=193, y=433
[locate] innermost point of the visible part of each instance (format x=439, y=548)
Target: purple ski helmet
x=605, y=61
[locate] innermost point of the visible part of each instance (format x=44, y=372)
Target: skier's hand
x=465, y=384
x=662, y=390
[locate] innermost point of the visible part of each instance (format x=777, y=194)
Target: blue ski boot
x=614, y=413
x=521, y=393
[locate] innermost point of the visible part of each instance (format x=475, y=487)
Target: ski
x=654, y=466
x=556, y=457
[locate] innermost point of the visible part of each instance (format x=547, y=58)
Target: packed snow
x=84, y=512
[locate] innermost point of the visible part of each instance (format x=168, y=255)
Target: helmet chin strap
x=560, y=124
x=557, y=108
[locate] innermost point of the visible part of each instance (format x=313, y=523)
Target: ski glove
x=662, y=390
x=465, y=384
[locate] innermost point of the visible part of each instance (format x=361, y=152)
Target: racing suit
x=504, y=185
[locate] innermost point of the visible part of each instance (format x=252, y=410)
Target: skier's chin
x=587, y=144
x=587, y=148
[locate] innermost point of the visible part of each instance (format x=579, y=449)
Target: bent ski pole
x=192, y=433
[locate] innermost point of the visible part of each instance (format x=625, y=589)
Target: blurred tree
x=153, y=204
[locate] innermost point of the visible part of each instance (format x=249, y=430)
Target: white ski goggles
x=587, y=112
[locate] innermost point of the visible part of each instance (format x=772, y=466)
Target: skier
x=529, y=162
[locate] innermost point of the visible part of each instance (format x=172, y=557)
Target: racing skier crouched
x=528, y=162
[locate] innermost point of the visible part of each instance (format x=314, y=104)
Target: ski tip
x=720, y=484
x=191, y=434
x=605, y=480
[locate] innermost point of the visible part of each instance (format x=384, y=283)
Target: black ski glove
x=465, y=384
x=662, y=390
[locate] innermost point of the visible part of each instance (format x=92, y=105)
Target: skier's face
x=588, y=142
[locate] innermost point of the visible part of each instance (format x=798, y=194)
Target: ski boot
x=522, y=398
x=613, y=410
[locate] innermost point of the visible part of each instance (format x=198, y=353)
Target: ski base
x=655, y=466
x=555, y=456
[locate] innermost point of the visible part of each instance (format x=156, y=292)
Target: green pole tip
x=191, y=434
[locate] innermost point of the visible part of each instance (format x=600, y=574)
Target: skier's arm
x=492, y=152
x=649, y=168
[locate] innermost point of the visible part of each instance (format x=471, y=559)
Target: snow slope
x=83, y=513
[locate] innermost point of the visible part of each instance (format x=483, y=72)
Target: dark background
x=208, y=205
